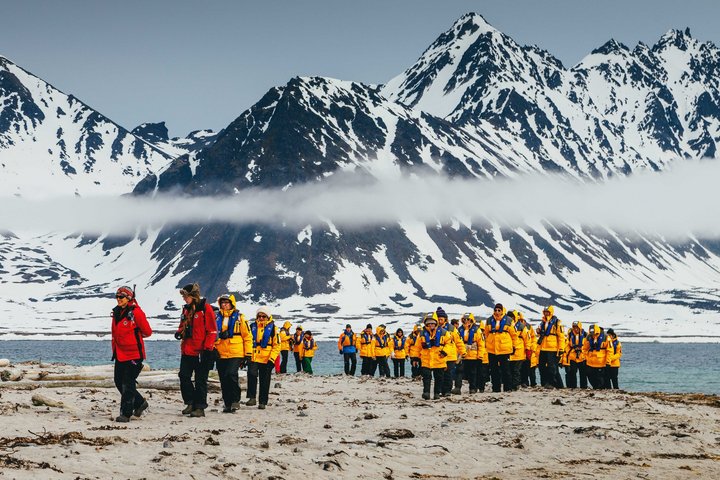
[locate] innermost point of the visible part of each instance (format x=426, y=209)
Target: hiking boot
x=455, y=391
x=251, y=402
x=436, y=397
x=227, y=410
x=139, y=410
x=235, y=406
x=187, y=410
x=122, y=419
x=473, y=390
x=198, y=412
x=426, y=396
x=262, y=406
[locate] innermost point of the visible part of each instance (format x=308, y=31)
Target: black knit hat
x=441, y=313
x=368, y=326
x=499, y=305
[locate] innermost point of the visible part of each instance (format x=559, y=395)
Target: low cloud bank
x=683, y=200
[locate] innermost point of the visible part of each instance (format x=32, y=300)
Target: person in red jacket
x=129, y=327
x=197, y=332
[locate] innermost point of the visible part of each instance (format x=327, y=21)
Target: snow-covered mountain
x=157, y=135
x=476, y=104
x=53, y=144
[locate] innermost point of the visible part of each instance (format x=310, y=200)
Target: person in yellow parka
x=431, y=348
x=455, y=352
x=596, y=347
x=519, y=345
x=551, y=341
x=483, y=375
x=413, y=338
x=399, y=353
x=307, y=351
x=574, y=357
x=347, y=347
x=472, y=337
x=500, y=336
x=532, y=350
x=297, y=339
x=234, y=347
x=285, y=339
x=266, y=348
x=382, y=349
x=367, y=351
x=613, y=361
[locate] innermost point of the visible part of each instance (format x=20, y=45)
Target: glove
x=415, y=364
x=442, y=354
x=458, y=361
x=528, y=354
x=244, y=362
x=178, y=335
x=224, y=334
x=340, y=352
x=207, y=358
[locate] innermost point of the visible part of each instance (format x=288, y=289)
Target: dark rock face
x=152, y=132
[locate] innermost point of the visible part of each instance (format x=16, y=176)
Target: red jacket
x=204, y=329
x=129, y=327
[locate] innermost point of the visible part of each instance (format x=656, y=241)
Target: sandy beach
x=340, y=427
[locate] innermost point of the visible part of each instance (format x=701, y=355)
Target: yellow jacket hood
x=287, y=326
x=230, y=297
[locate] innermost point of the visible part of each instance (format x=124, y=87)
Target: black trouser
x=549, y=372
x=194, y=394
x=515, y=374
x=415, y=367
x=398, y=367
x=532, y=376
x=525, y=373
x=350, y=363
x=427, y=376
x=449, y=377
x=571, y=374
x=259, y=372
x=483, y=375
x=368, y=366
x=284, y=354
x=229, y=383
x=125, y=374
x=596, y=375
x=470, y=371
x=500, y=371
x=383, y=368
x=611, y=377
x=298, y=361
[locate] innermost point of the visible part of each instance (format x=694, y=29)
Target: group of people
x=504, y=349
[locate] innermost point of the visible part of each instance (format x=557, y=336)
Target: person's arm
x=246, y=335
x=210, y=328
x=142, y=323
x=341, y=340
x=459, y=344
x=275, y=352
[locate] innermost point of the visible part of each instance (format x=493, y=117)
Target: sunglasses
x=498, y=309
x=262, y=315
x=121, y=296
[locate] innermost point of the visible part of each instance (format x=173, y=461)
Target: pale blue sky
x=200, y=64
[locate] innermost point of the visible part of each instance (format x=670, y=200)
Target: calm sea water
x=667, y=367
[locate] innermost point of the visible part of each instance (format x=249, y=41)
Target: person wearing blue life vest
x=295, y=341
x=367, y=351
x=382, y=349
x=431, y=348
x=596, y=347
x=613, y=361
x=307, y=351
x=234, y=350
x=575, y=358
x=399, y=353
x=552, y=345
x=500, y=336
x=472, y=337
x=266, y=348
x=347, y=346
x=414, y=361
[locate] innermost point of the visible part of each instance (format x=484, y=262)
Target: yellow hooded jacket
x=500, y=334
x=574, y=346
x=308, y=347
x=297, y=339
x=270, y=352
x=551, y=332
x=366, y=342
x=614, y=357
x=429, y=346
x=475, y=346
x=519, y=342
x=240, y=344
x=381, y=343
x=399, y=347
x=597, y=349
x=457, y=348
x=285, y=337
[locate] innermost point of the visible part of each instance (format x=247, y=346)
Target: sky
x=199, y=65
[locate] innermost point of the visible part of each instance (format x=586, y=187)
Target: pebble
x=167, y=444
x=4, y=362
x=301, y=413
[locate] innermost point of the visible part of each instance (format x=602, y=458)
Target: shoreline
x=352, y=427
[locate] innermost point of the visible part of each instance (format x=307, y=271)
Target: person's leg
x=582, y=369
x=346, y=363
x=571, y=375
x=515, y=368
x=124, y=376
x=396, y=367
x=614, y=377
x=372, y=366
x=505, y=371
x=201, y=386
x=458, y=378
x=265, y=373
x=427, y=380
x=438, y=373
x=307, y=365
x=353, y=363
x=470, y=369
x=298, y=363
x=284, y=362
x=448, y=378
x=363, y=366
x=384, y=367
x=222, y=364
x=483, y=375
x=543, y=367
x=495, y=374
x=533, y=376
x=187, y=388
x=402, y=368
x=252, y=381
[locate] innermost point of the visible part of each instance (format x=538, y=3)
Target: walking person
x=414, y=361
x=234, y=350
x=613, y=362
x=367, y=354
x=597, y=347
x=307, y=351
x=347, y=346
x=197, y=334
x=285, y=340
x=266, y=348
x=399, y=353
x=128, y=329
x=472, y=338
x=500, y=335
x=455, y=351
x=431, y=349
x=575, y=363
x=551, y=344
x=296, y=341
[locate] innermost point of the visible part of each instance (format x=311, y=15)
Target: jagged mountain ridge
x=55, y=141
